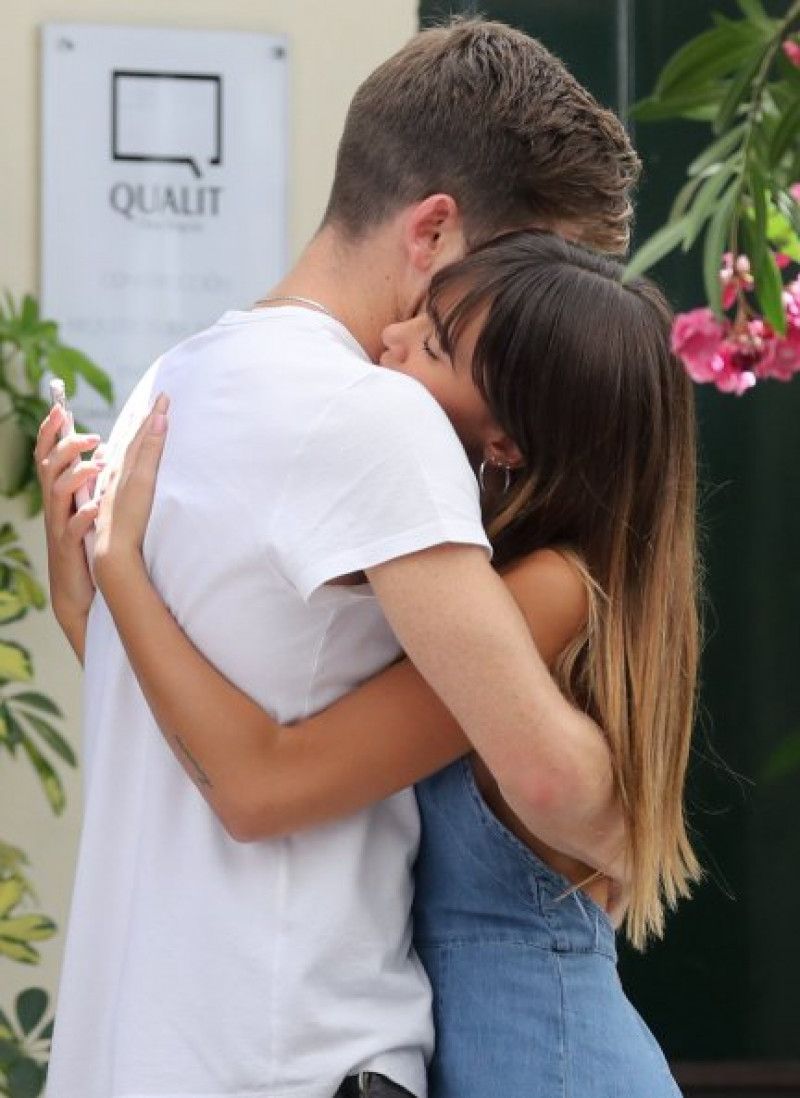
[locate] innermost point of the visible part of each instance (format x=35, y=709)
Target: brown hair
x=482, y=112
x=576, y=367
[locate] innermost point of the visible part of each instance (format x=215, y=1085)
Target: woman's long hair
x=576, y=368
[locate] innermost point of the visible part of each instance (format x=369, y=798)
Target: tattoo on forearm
x=199, y=774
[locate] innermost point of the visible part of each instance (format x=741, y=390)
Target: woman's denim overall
x=527, y=1001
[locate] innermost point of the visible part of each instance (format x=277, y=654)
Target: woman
x=559, y=380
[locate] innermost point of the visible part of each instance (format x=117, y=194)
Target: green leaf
x=684, y=197
x=20, y=952
x=31, y=1006
x=711, y=55
x=68, y=363
x=717, y=151
x=788, y=131
x=714, y=247
x=9, y=1052
x=12, y=891
x=15, y=733
x=12, y=608
x=54, y=740
x=754, y=11
x=11, y=861
x=27, y=928
x=35, y=700
x=15, y=662
x=789, y=207
x=692, y=105
x=7, y=308
x=781, y=234
x=703, y=206
x=738, y=88
x=756, y=186
x=769, y=289
x=51, y=783
x=26, y=1078
x=656, y=247
x=28, y=590
x=703, y=112
x=29, y=314
x=61, y=365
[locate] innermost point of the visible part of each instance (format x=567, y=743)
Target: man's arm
x=458, y=623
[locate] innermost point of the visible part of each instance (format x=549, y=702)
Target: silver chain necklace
x=300, y=301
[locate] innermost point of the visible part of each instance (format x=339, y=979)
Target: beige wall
x=334, y=44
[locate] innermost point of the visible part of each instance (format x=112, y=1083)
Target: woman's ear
x=500, y=449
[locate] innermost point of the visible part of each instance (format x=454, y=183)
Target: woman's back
x=527, y=1000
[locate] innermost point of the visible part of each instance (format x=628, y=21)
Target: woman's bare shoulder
x=551, y=592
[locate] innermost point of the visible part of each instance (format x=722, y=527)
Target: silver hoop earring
x=486, y=464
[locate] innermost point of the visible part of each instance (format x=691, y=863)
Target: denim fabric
x=527, y=1001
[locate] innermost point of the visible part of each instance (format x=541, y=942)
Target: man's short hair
x=484, y=113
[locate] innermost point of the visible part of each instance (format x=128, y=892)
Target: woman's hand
x=127, y=500
x=61, y=473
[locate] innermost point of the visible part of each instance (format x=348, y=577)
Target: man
x=198, y=966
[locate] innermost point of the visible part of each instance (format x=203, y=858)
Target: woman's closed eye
x=431, y=349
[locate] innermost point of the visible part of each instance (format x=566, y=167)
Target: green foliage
x=26, y=726
x=737, y=197
x=25, y=1040
x=19, y=929
x=26, y=716
x=30, y=351
x=24, y=1045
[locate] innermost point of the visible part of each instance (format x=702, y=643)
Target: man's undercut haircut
x=486, y=114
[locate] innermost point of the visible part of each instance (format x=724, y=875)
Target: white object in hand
x=58, y=395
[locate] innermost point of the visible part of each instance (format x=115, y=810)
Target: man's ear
x=433, y=233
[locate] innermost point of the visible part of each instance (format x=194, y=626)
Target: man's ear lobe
x=433, y=233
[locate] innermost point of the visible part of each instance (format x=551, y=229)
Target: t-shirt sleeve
x=380, y=474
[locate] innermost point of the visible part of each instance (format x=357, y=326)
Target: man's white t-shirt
x=195, y=966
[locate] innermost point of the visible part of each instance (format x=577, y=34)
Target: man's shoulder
x=386, y=400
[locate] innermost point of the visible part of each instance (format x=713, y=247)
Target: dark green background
x=725, y=983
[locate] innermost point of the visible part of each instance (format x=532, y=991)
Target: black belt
x=369, y=1085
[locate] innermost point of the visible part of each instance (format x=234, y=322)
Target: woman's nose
x=394, y=340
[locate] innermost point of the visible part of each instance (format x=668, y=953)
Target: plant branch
x=753, y=114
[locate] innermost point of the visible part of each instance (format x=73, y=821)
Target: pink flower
x=734, y=356
x=794, y=191
x=781, y=357
x=696, y=337
x=791, y=301
x=792, y=51
x=733, y=276
x=733, y=365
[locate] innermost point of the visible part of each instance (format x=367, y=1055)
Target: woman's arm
x=61, y=472
x=260, y=778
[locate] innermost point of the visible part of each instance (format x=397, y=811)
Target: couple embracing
x=507, y=501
